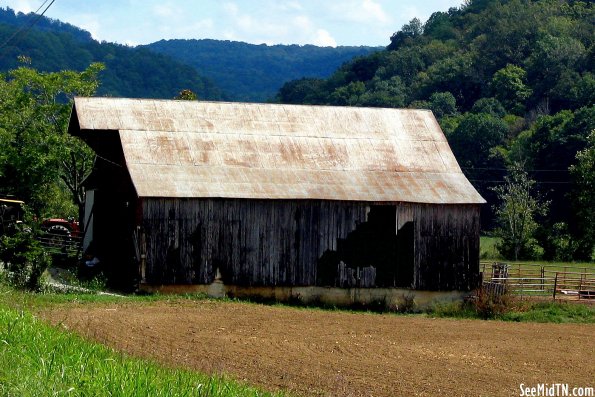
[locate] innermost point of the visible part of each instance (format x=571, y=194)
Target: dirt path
x=313, y=352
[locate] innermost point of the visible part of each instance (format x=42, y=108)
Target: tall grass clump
x=39, y=360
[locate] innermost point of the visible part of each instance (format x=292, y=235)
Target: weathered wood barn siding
x=446, y=247
x=252, y=242
x=281, y=242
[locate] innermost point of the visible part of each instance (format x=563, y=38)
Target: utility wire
x=504, y=169
x=26, y=28
x=537, y=182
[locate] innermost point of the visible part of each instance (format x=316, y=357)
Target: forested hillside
x=129, y=72
x=513, y=86
x=249, y=72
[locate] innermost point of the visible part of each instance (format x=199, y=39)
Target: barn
x=276, y=197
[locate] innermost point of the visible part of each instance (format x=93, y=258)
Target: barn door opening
x=405, y=256
x=367, y=256
x=113, y=227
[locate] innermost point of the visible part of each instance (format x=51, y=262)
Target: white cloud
x=361, y=11
x=374, y=11
x=24, y=6
x=324, y=39
x=304, y=32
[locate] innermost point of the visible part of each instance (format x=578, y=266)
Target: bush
x=407, y=303
x=24, y=260
x=491, y=304
x=558, y=243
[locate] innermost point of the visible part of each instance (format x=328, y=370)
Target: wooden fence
x=531, y=280
x=60, y=243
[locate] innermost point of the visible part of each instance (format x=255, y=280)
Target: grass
x=549, y=312
x=39, y=360
x=520, y=311
x=487, y=248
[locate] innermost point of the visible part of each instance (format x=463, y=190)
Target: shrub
x=407, y=303
x=491, y=304
x=24, y=260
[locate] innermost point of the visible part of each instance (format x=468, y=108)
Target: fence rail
x=526, y=280
x=60, y=243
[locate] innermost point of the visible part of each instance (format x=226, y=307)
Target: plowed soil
x=315, y=352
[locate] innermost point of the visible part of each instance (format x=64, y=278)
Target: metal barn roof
x=188, y=149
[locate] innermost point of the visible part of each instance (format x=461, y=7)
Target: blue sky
x=325, y=23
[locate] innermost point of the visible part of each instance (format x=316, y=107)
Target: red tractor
x=60, y=232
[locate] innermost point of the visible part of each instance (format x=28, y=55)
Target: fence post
x=522, y=285
x=555, y=286
x=542, y=278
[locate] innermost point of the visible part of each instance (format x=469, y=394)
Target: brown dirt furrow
x=313, y=352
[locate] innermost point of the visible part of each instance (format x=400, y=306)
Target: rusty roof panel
x=240, y=150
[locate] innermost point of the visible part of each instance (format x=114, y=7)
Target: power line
x=505, y=169
x=26, y=28
x=537, y=182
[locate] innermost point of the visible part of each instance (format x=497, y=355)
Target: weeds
x=407, y=303
x=491, y=304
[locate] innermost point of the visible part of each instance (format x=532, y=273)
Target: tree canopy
x=40, y=163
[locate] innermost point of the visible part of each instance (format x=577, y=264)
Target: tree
x=407, y=34
x=440, y=26
x=516, y=214
x=584, y=199
x=39, y=158
x=473, y=143
x=348, y=95
x=443, y=104
x=553, y=58
x=384, y=93
x=509, y=87
x=186, y=95
x=552, y=148
x=474, y=138
x=302, y=91
x=489, y=106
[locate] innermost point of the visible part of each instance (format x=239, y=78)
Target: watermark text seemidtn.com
x=555, y=390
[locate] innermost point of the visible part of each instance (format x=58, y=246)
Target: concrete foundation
x=392, y=298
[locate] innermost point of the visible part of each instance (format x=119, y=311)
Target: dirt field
x=312, y=352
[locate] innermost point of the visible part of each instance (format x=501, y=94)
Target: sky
x=318, y=22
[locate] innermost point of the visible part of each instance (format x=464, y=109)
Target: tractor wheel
x=58, y=236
